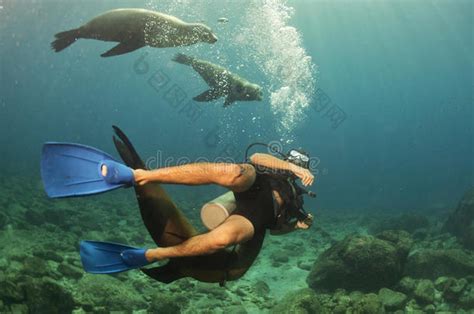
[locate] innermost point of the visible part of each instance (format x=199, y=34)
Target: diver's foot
x=152, y=255
x=140, y=176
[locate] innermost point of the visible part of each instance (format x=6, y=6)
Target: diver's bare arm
x=225, y=174
x=270, y=161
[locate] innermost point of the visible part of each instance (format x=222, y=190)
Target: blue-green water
x=398, y=73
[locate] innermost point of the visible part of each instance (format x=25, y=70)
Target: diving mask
x=298, y=158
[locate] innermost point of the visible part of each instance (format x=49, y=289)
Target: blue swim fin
x=69, y=169
x=108, y=258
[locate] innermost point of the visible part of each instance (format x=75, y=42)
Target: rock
x=429, y=309
x=461, y=222
x=467, y=298
x=407, y=285
x=19, y=309
x=261, y=289
x=47, y=296
x=70, y=271
x=406, y=222
x=164, y=303
x=392, y=300
x=10, y=292
x=369, y=304
x=358, y=262
x=431, y=264
x=299, y=302
x=34, y=218
x=4, y=220
x=425, y=291
x=48, y=255
x=35, y=267
x=401, y=239
x=280, y=257
x=451, y=288
x=118, y=296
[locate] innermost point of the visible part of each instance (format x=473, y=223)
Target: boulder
x=392, y=300
x=4, y=220
x=359, y=262
x=401, y=239
x=47, y=296
x=10, y=292
x=461, y=222
x=303, y=301
x=431, y=264
x=369, y=304
x=425, y=291
x=70, y=271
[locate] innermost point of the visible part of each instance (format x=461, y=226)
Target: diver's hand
x=307, y=178
x=140, y=176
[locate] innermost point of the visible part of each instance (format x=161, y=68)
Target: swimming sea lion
x=221, y=81
x=136, y=28
x=168, y=226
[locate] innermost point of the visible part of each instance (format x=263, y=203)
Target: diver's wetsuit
x=257, y=204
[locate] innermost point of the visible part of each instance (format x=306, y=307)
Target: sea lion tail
x=65, y=39
x=183, y=59
x=126, y=150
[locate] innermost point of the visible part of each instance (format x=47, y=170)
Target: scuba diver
x=263, y=200
x=265, y=196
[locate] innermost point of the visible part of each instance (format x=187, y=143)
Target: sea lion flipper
x=121, y=49
x=209, y=95
x=228, y=101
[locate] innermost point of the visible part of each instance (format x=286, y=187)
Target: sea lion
x=134, y=29
x=168, y=226
x=221, y=81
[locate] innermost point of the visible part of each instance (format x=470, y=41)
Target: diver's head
x=204, y=33
x=298, y=157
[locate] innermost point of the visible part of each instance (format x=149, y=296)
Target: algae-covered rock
x=401, y=239
x=303, y=301
x=165, y=303
x=35, y=266
x=431, y=264
x=461, y=222
x=108, y=291
x=406, y=285
x=369, y=304
x=358, y=262
x=70, y=271
x=4, y=220
x=467, y=299
x=48, y=255
x=451, y=288
x=10, y=292
x=392, y=300
x=47, y=296
x=425, y=291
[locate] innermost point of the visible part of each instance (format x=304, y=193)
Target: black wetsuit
x=257, y=204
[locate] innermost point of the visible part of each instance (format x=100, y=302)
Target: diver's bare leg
x=236, y=229
x=237, y=177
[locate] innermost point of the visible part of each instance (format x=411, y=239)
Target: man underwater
x=260, y=199
x=266, y=197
